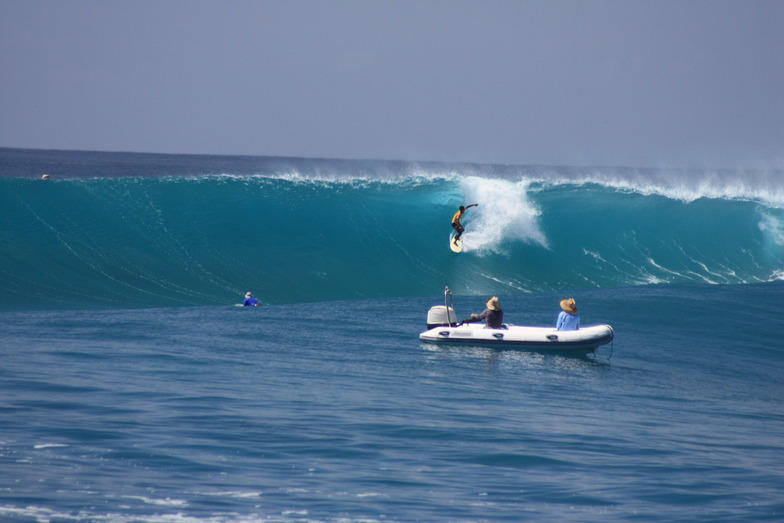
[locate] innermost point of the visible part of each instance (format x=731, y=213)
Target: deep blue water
x=133, y=389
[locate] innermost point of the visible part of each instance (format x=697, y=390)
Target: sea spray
x=505, y=215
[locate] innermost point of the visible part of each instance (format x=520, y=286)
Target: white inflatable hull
x=544, y=339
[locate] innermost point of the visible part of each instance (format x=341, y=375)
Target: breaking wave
x=309, y=230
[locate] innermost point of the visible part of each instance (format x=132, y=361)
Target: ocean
x=133, y=387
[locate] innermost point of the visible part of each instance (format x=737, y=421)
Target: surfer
x=493, y=314
x=568, y=319
x=456, y=225
x=250, y=301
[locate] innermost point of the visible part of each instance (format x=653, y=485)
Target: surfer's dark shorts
x=456, y=226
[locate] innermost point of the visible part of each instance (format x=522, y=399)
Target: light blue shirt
x=567, y=322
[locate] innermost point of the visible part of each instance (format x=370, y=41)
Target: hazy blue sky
x=622, y=82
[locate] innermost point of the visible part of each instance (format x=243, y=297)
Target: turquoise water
x=142, y=237
x=133, y=389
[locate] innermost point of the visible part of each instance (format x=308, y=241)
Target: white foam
x=35, y=513
x=514, y=285
x=412, y=176
x=370, y=495
x=760, y=186
x=773, y=226
x=167, y=502
x=596, y=256
x=504, y=213
x=674, y=273
x=234, y=494
x=765, y=186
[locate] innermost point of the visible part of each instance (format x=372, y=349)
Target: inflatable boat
x=442, y=328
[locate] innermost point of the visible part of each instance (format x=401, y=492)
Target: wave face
x=125, y=230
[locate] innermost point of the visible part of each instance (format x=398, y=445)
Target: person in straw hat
x=493, y=315
x=568, y=319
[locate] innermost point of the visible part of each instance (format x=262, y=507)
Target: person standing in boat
x=568, y=319
x=250, y=301
x=456, y=225
x=493, y=315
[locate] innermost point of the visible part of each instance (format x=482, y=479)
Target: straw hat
x=493, y=304
x=569, y=306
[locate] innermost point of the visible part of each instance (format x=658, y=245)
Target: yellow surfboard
x=455, y=245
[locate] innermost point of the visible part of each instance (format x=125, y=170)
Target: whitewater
x=133, y=388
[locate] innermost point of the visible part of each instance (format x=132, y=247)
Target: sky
x=686, y=83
